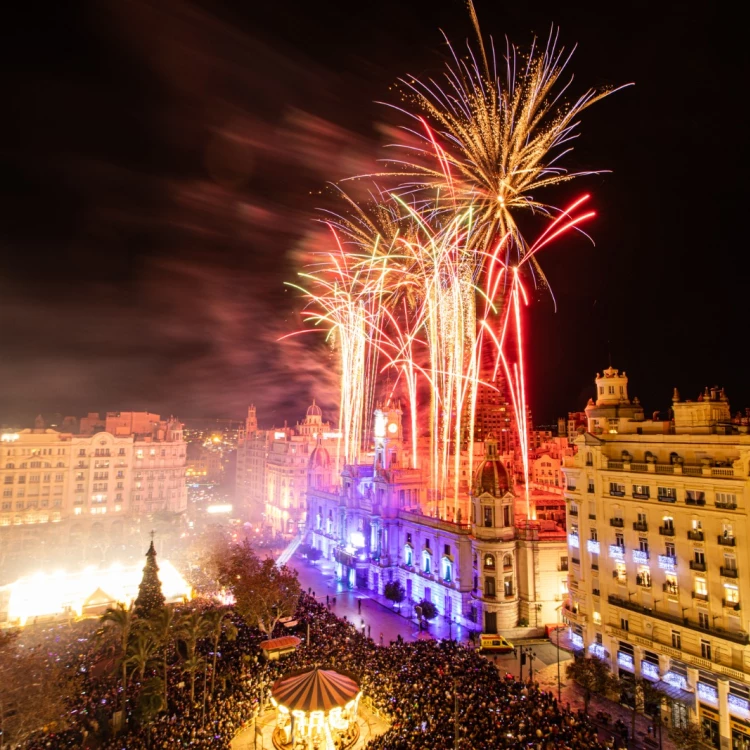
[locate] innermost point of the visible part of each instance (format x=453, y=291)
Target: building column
x=724, y=731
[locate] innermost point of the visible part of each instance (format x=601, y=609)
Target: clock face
x=393, y=428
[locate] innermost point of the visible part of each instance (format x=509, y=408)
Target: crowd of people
x=426, y=690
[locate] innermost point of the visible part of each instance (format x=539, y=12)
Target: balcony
x=700, y=566
x=701, y=501
x=595, y=592
x=700, y=597
x=670, y=588
x=727, y=541
x=574, y=512
x=590, y=489
x=592, y=517
x=730, y=605
x=641, y=496
x=726, y=506
x=617, y=493
x=666, y=530
x=695, y=536
x=666, y=498
x=594, y=566
x=640, y=526
x=729, y=572
x=575, y=561
x=618, y=523
x=738, y=636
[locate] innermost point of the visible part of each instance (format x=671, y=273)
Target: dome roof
x=314, y=410
x=491, y=476
x=320, y=458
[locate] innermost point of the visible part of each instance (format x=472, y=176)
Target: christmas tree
x=150, y=598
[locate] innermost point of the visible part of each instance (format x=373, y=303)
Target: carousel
x=316, y=709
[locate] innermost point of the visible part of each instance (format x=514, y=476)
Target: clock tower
x=388, y=434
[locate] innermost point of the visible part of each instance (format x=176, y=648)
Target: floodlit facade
x=658, y=546
x=489, y=570
x=65, y=491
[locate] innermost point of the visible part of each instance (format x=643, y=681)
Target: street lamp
x=557, y=634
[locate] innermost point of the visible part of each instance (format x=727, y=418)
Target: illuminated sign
x=649, y=670
x=617, y=552
x=279, y=435
x=625, y=661
x=226, y=508
x=593, y=546
x=573, y=540
x=640, y=557
x=597, y=650
x=667, y=562
x=9, y=437
x=737, y=704
x=576, y=640
x=676, y=680
x=707, y=693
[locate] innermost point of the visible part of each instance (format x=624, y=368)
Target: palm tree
x=141, y=653
x=161, y=626
x=192, y=628
x=218, y=619
x=121, y=618
x=192, y=665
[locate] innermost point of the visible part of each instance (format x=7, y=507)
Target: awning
x=277, y=644
x=314, y=690
x=675, y=693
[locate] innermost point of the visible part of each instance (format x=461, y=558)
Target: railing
x=718, y=471
x=695, y=536
x=666, y=530
x=594, y=566
x=730, y=605
x=701, y=501
x=575, y=561
x=640, y=526
x=700, y=566
x=725, y=506
x=574, y=512
x=664, y=468
x=667, y=498
x=729, y=572
x=595, y=592
x=700, y=597
x=617, y=493
x=618, y=465
x=670, y=588
x=727, y=541
x=643, y=581
x=638, y=466
x=592, y=517
x=641, y=496
x=740, y=637
x=694, y=471
x=618, y=523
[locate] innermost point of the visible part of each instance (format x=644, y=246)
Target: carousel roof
x=314, y=690
x=287, y=641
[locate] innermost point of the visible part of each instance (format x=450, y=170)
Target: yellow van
x=494, y=643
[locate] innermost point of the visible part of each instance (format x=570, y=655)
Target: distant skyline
x=164, y=161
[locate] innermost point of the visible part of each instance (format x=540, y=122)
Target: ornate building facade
x=492, y=570
x=658, y=542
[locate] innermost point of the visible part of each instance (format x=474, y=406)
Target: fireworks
x=431, y=272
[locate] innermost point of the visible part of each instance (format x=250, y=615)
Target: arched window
x=508, y=562
x=426, y=561
x=447, y=570
x=489, y=562
x=408, y=555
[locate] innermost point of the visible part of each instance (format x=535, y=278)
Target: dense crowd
x=413, y=685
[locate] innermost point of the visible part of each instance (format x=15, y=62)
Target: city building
x=489, y=569
x=569, y=427
x=252, y=453
x=658, y=547
x=68, y=493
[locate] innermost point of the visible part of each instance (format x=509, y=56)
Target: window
x=487, y=516
x=695, y=497
x=667, y=523
x=591, y=485
x=508, y=586
x=676, y=639
x=700, y=587
x=594, y=534
x=727, y=499
x=641, y=490
x=731, y=593
x=706, y=646
x=489, y=587
x=489, y=562
x=624, y=624
x=616, y=489
x=447, y=549
x=564, y=563
x=619, y=539
x=506, y=515
x=643, y=544
x=667, y=492
x=669, y=549
x=730, y=562
x=699, y=556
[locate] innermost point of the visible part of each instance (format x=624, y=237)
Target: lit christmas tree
x=150, y=598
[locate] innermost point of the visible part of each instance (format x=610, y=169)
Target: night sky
x=161, y=164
